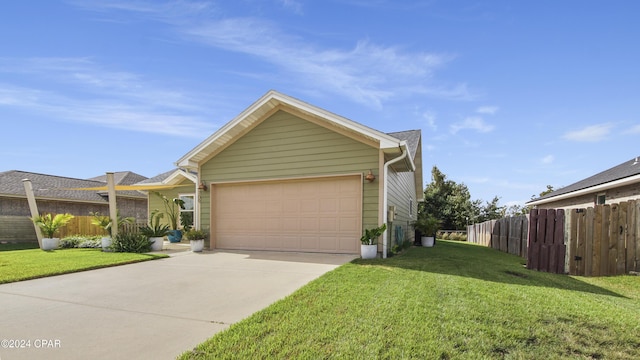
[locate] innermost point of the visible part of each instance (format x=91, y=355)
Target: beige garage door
x=312, y=215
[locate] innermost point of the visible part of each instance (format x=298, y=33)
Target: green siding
x=285, y=146
x=401, y=189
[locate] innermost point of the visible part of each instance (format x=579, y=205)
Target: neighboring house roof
x=269, y=104
x=122, y=178
x=54, y=187
x=624, y=174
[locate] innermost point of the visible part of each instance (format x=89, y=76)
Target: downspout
x=385, y=211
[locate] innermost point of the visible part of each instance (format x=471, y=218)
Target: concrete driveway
x=152, y=310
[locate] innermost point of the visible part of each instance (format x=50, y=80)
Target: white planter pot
x=106, y=242
x=197, y=245
x=369, y=251
x=427, y=241
x=50, y=243
x=157, y=244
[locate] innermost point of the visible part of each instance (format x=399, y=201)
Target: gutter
x=385, y=199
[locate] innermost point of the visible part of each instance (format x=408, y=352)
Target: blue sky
x=510, y=95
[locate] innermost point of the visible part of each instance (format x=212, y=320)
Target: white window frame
x=193, y=209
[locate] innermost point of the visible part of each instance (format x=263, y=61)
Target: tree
x=517, y=210
x=549, y=190
x=492, y=211
x=451, y=203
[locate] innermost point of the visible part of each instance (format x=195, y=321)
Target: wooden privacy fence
x=547, y=251
x=508, y=234
x=603, y=240
x=597, y=241
x=81, y=225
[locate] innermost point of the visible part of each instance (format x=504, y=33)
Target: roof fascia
x=384, y=140
x=606, y=186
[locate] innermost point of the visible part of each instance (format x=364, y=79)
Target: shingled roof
x=58, y=187
x=122, y=178
x=412, y=137
x=625, y=170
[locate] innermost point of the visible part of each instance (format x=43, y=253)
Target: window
x=601, y=199
x=187, y=214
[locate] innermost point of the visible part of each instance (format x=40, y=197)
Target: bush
x=131, y=242
x=80, y=241
x=454, y=235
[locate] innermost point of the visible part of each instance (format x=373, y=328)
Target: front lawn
x=455, y=300
x=30, y=264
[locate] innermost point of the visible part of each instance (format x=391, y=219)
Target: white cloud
x=293, y=5
x=633, y=130
x=95, y=95
x=490, y=110
x=592, y=133
x=547, y=159
x=366, y=73
x=472, y=123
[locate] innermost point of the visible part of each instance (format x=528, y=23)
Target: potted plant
x=369, y=242
x=196, y=239
x=155, y=231
x=172, y=209
x=427, y=225
x=104, y=222
x=49, y=226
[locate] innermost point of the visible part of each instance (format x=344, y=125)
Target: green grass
x=35, y=263
x=453, y=301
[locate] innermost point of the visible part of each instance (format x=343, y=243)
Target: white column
x=113, y=210
x=31, y=199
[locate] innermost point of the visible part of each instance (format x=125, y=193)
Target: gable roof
x=171, y=177
x=53, y=187
x=624, y=174
x=121, y=178
x=269, y=104
x=412, y=138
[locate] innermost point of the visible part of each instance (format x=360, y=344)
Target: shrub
x=70, y=242
x=80, y=241
x=91, y=242
x=131, y=242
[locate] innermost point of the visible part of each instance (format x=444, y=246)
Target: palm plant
x=50, y=224
x=105, y=222
x=155, y=227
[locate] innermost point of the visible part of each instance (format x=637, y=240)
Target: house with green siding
x=285, y=175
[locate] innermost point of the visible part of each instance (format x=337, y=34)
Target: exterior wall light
x=370, y=177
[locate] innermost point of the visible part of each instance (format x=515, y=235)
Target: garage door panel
x=346, y=244
x=328, y=224
x=318, y=215
x=329, y=205
x=309, y=206
x=308, y=243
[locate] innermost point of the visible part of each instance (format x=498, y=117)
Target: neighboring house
x=176, y=183
x=618, y=184
x=56, y=194
x=286, y=175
